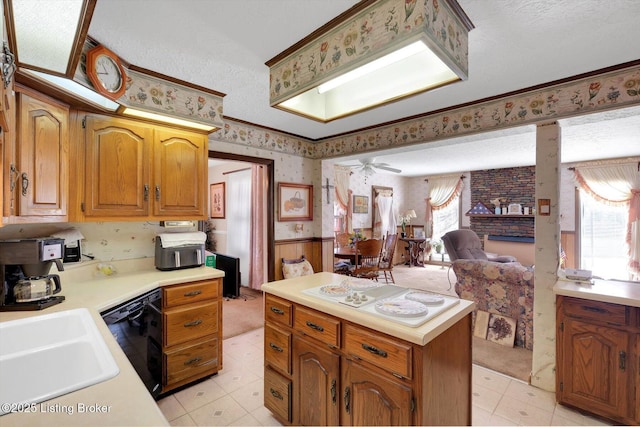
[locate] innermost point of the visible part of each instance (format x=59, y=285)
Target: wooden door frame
x=269, y=164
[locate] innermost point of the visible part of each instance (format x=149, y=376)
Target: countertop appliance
x=179, y=250
x=24, y=269
x=134, y=325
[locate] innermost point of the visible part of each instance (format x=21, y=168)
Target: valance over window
x=442, y=191
x=615, y=185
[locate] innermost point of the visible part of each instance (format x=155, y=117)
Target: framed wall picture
x=360, y=204
x=217, y=200
x=295, y=202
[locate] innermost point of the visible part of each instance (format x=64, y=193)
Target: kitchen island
x=122, y=400
x=329, y=363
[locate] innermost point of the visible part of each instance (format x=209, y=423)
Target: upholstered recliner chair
x=465, y=244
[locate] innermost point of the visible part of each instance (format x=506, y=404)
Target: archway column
x=547, y=244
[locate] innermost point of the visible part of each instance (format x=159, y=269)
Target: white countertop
x=291, y=289
x=611, y=291
x=124, y=399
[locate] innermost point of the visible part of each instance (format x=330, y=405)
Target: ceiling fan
x=369, y=166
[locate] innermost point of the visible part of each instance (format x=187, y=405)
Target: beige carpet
x=242, y=314
x=245, y=314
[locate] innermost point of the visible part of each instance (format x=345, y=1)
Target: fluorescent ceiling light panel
x=407, y=71
x=45, y=32
x=77, y=89
x=167, y=119
x=377, y=52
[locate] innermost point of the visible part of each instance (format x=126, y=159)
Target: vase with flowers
x=405, y=219
x=356, y=236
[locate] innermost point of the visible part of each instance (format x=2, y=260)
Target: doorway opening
x=269, y=201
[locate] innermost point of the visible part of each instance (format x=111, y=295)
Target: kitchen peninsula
x=329, y=363
x=122, y=400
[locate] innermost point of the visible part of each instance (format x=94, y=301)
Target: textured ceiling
x=223, y=45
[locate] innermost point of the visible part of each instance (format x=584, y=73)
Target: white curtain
x=385, y=220
x=615, y=185
x=239, y=220
x=343, y=194
x=442, y=191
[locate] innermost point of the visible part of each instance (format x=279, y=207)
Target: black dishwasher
x=130, y=323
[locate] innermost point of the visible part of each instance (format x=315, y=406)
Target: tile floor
x=234, y=396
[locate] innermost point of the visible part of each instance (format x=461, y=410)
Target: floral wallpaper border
x=159, y=96
x=606, y=91
x=367, y=34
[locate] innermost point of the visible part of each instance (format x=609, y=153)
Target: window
x=446, y=219
x=603, y=229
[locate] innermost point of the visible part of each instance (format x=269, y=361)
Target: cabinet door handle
x=277, y=310
x=25, y=183
x=622, y=360
x=275, y=347
x=276, y=394
x=192, y=293
x=194, y=323
x=333, y=391
x=374, y=350
x=13, y=181
x=347, y=400
x=157, y=192
x=146, y=192
x=314, y=326
x=191, y=361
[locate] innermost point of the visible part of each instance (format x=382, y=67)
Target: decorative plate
x=335, y=290
x=361, y=284
x=425, y=298
x=400, y=307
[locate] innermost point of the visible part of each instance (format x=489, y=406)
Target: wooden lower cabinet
x=598, y=358
x=323, y=370
x=189, y=344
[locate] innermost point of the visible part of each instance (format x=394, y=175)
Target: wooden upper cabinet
x=136, y=171
x=43, y=158
x=180, y=174
x=117, y=153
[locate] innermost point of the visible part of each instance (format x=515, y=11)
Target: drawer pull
x=276, y=310
x=594, y=309
x=276, y=394
x=192, y=293
x=314, y=326
x=275, y=347
x=194, y=323
x=374, y=350
x=192, y=361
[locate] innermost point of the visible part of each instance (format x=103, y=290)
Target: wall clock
x=106, y=73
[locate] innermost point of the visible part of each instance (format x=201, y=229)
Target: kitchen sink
x=46, y=356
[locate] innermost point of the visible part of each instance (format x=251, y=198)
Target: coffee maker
x=24, y=269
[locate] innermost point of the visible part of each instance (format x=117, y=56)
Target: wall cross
x=328, y=188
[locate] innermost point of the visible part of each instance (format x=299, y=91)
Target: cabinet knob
x=146, y=192
x=157, y=192
x=25, y=183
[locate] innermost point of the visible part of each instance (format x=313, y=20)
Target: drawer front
x=190, y=292
x=277, y=394
x=277, y=348
x=278, y=310
x=601, y=312
x=190, y=322
x=191, y=360
x=317, y=325
x=386, y=353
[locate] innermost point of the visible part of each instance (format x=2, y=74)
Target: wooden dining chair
x=367, y=259
x=386, y=260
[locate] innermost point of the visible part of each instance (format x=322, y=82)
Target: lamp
x=374, y=53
